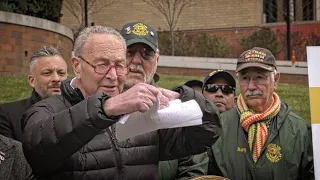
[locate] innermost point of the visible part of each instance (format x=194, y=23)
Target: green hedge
x=45, y=9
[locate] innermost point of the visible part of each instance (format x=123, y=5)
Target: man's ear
x=76, y=66
x=276, y=80
x=31, y=80
x=158, y=58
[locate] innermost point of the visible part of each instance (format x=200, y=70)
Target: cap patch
x=140, y=29
x=254, y=55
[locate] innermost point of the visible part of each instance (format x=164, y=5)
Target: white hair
x=86, y=32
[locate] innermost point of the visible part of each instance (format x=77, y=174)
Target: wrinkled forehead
x=253, y=71
x=104, y=47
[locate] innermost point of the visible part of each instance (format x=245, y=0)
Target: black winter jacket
x=68, y=137
x=11, y=113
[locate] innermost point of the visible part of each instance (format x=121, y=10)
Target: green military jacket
x=184, y=168
x=287, y=154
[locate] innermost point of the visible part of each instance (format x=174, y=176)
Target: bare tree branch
x=73, y=7
x=76, y=7
x=171, y=10
x=103, y=4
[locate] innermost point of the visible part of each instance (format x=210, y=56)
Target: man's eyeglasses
x=225, y=89
x=103, y=69
x=145, y=52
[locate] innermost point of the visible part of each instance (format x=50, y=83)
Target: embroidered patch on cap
x=254, y=55
x=140, y=29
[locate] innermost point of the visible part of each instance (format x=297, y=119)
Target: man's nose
x=56, y=77
x=112, y=74
x=251, y=84
x=137, y=58
x=219, y=93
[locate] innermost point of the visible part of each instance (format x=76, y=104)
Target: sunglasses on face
x=145, y=52
x=225, y=89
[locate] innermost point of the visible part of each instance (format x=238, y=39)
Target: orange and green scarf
x=256, y=124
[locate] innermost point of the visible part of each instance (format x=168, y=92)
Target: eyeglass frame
x=110, y=67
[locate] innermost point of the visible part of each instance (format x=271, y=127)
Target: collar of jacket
x=35, y=97
x=73, y=95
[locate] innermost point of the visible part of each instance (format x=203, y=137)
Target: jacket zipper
x=116, y=151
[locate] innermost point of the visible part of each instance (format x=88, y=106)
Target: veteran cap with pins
x=257, y=57
x=138, y=32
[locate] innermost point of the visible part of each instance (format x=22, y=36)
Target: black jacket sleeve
x=54, y=131
x=181, y=142
x=6, y=128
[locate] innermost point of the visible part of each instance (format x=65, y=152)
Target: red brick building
x=231, y=19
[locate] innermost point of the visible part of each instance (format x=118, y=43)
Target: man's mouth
x=55, y=88
x=136, y=71
x=219, y=103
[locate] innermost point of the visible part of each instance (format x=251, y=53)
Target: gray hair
x=86, y=32
x=44, y=52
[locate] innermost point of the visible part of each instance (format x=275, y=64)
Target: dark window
x=270, y=11
x=308, y=9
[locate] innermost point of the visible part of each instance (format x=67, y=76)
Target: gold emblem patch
x=140, y=29
x=215, y=72
x=254, y=55
x=274, y=153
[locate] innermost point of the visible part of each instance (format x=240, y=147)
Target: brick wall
x=233, y=34
x=285, y=78
x=18, y=43
x=206, y=14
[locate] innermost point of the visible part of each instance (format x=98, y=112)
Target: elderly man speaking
x=72, y=136
x=261, y=138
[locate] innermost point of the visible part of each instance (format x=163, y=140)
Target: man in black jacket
x=72, y=136
x=47, y=71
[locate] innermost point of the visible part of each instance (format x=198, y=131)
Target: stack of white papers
x=177, y=114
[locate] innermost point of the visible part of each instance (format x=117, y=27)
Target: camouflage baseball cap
x=256, y=57
x=138, y=32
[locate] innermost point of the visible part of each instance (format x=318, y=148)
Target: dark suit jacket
x=11, y=113
x=13, y=164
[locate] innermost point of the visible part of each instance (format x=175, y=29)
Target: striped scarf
x=256, y=124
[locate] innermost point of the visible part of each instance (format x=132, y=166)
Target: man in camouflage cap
x=261, y=138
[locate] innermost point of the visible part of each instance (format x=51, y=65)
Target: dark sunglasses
x=145, y=52
x=226, y=89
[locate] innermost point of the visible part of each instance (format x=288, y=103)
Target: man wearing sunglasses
x=72, y=136
x=261, y=138
x=219, y=86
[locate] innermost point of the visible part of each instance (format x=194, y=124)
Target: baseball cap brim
x=141, y=40
x=223, y=74
x=257, y=65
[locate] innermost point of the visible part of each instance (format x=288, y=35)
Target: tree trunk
x=172, y=41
